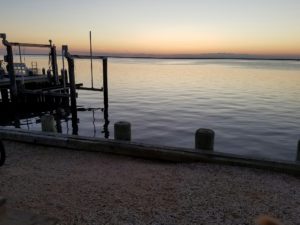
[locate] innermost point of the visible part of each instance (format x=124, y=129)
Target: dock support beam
x=9, y=58
x=105, y=83
x=54, y=63
x=73, y=95
x=11, y=72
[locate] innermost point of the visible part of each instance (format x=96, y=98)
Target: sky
x=162, y=27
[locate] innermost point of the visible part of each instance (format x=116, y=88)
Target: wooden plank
x=29, y=45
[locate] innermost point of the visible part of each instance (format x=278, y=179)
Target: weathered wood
x=29, y=45
x=73, y=95
x=11, y=72
x=54, y=64
x=105, y=83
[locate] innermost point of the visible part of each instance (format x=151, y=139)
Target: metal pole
x=91, y=54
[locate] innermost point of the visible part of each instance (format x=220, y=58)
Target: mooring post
x=122, y=131
x=204, y=139
x=298, y=152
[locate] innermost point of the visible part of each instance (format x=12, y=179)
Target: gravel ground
x=92, y=188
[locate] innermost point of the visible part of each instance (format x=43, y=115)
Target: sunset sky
x=267, y=27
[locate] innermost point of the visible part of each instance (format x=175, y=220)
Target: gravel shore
x=93, y=188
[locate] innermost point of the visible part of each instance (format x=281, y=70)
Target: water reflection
x=64, y=117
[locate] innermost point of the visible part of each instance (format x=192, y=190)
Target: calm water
x=253, y=106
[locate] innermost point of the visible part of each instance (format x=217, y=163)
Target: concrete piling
x=122, y=131
x=204, y=139
x=48, y=123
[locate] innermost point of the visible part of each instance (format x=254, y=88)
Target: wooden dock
x=22, y=90
x=5, y=82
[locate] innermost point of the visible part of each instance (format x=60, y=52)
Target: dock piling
x=105, y=83
x=204, y=139
x=72, y=93
x=122, y=131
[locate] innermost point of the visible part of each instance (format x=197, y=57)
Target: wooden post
x=11, y=72
x=91, y=54
x=73, y=95
x=54, y=64
x=122, y=131
x=105, y=84
x=105, y=99
x=204, y=139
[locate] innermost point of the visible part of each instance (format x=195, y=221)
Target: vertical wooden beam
x=11, y=72
x=73, y=95
x=105, y=99
x=105, y=83
x=54, y=64
x=91, y=54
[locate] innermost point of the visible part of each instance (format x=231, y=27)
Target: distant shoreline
x=186, y=58
x=182, y=57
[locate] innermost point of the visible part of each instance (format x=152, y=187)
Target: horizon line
x=219, y=56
